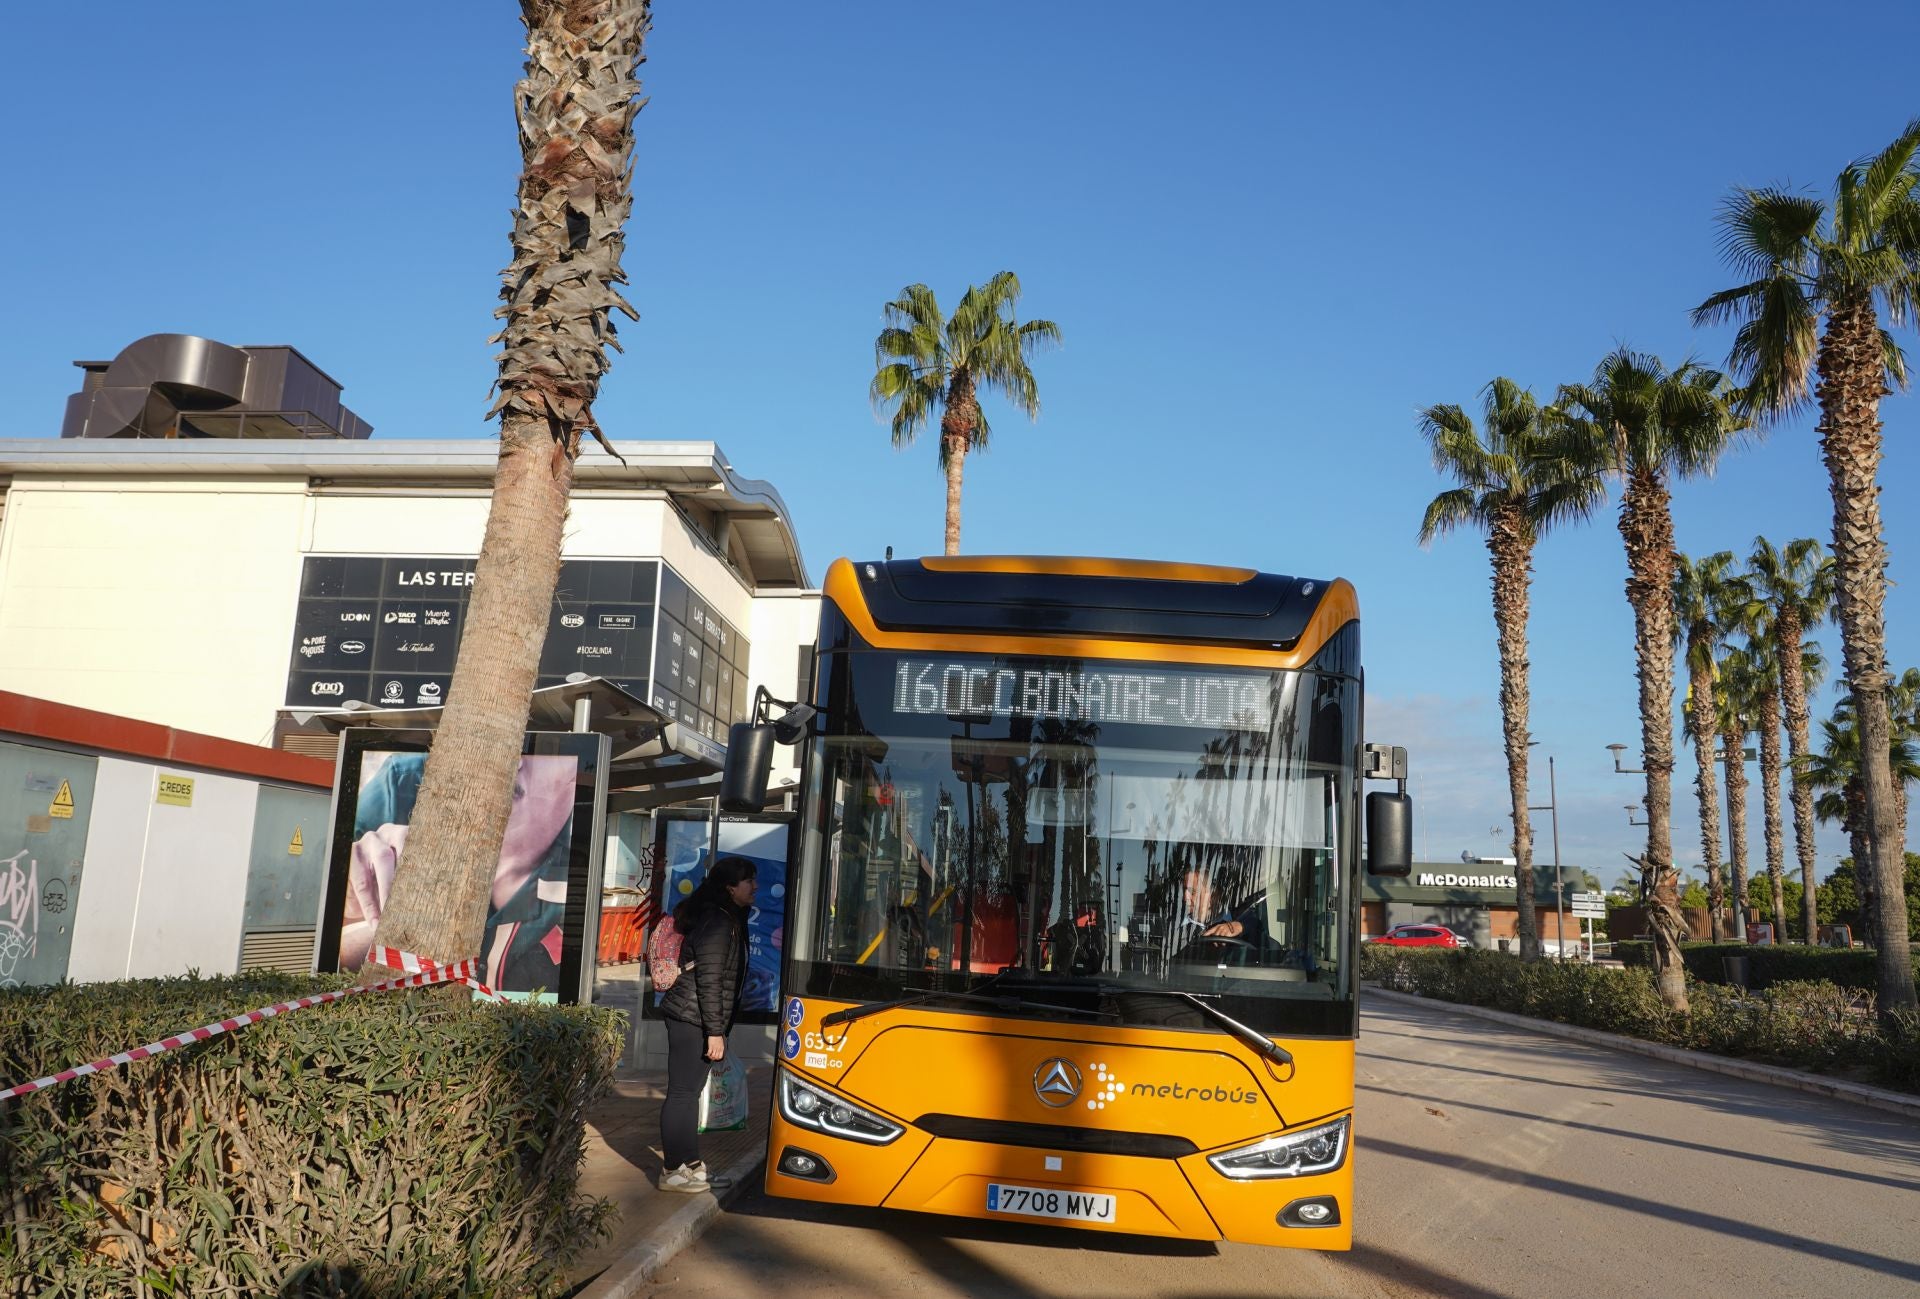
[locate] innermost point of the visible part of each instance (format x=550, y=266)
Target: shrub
x=1813, y=1025
x=1766, y=964
x=398, y=1143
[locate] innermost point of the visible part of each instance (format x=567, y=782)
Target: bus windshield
x=1083, y=831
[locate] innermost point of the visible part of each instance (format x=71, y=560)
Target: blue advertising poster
x=766, y=846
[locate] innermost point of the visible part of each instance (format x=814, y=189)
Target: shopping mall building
x=215, y=571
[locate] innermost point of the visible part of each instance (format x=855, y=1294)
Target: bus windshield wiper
x=1002, y=1003
x=1266, y=1047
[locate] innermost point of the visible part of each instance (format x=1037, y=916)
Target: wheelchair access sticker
x=795, y=1012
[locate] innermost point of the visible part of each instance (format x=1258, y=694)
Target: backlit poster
x=683, y=864
x=545, y=885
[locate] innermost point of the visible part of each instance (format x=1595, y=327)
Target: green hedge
x=1804, y=1025
x=1767, y=964
x=392, y=1144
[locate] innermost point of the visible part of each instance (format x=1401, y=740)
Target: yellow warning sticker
x=62, y=803
x=297, y=845
x=175, y=791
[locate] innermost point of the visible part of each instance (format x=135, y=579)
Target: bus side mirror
x=743, y=781
x=1389, y=834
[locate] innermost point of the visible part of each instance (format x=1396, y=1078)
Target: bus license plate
x=1039, y=1202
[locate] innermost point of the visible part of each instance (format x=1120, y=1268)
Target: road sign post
x=1588, y=907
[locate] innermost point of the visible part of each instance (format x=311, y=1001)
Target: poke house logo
x=1467, y=881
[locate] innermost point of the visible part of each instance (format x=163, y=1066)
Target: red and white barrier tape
x=420, y=973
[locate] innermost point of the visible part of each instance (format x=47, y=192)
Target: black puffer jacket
x=707, y=995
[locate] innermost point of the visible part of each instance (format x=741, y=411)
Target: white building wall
x=173, y=599
x=165, y=600
x=193, y=890
x=164, y=888
x=782, y=623
x=110, y=874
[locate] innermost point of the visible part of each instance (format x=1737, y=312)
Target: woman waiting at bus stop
x=699, y=1009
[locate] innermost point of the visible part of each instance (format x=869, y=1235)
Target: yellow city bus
x=1072, y=911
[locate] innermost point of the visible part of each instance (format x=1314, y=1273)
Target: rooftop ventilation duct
x=184, y=386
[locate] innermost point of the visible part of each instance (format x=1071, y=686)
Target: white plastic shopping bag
x=723, y=1101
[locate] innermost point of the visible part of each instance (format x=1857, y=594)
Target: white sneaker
x=689, y=1179
x=709, y=1179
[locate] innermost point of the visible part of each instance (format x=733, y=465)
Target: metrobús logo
x=1215, y=1095
x=1105, y=1087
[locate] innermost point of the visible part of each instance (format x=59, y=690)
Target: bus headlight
x=1293, y=1154
x=809, y=1107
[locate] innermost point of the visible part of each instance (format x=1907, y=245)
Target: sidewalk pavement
x=623, y=1164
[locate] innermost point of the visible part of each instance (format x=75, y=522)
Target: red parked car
x=1419, y=936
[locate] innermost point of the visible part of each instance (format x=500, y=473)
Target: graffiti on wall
x=19, y=914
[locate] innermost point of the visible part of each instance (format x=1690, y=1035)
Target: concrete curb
x=635, y=1268
x=1833, y=1088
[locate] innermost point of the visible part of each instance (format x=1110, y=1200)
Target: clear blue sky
x=1269, y=235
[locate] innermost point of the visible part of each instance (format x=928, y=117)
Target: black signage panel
x=386, y=630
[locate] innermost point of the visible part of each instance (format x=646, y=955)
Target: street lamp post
x=1552, y=805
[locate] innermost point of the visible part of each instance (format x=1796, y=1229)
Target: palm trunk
x=1852, y=368
x=956, y=460
x=956, y=437
x=1793, y=700
x=1646, y=525
x=1700, y=718
x=575, y=107
x=1770, y=800
x=438, y=906
x=1734, y=742
x=1507, y=543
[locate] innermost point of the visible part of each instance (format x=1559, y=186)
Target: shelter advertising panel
x=544, y=909
x=683, y=853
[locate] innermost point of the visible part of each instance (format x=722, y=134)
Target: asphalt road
x=1491, y=1162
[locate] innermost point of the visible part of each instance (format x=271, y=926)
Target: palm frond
x=1035, y=333
x=1773, y=352
x=1887, y=176
x=1570, y=498
x=1762, y=230
x=1732, y=304
x=1455, y=508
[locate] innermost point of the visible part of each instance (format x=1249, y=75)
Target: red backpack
x=663, y=955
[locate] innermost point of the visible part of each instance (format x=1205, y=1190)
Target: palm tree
x=1764, y=655
x=576, y=104
x=1509, y=489
x=1701, y=592
x=1849, y=264
x=1650, y=426
x=1903, y=704
x=1737, y=702
x=1797, y=583
x=1835, y=771
x=927, y=362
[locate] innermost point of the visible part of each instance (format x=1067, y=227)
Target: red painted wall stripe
x=116, y=736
